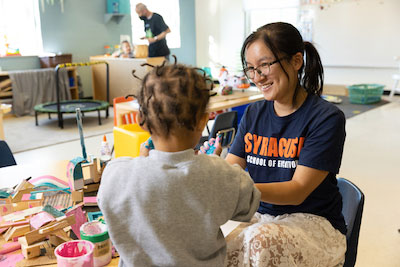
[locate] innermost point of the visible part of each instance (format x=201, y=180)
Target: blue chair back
x=6, y=156
x=225, y=121
x=353, y=204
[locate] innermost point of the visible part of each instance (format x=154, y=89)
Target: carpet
x=21, y=134
x=351, y=110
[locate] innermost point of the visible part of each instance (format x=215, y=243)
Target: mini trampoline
x=68, y=106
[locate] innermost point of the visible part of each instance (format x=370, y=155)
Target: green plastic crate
x=365, y=93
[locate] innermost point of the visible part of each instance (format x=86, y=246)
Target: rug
x=351, y=110
x=21, y=134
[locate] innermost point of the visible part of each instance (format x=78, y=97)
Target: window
x=169, y=10
x=20, y=27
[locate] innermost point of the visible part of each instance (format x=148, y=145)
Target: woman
x=292, y=145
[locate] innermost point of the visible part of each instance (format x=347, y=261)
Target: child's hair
x=283, y=39
x=173, y=97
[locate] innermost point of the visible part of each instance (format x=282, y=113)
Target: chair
x=224, y=124
x=128, y=118
x=6, y=156
x=353, y=204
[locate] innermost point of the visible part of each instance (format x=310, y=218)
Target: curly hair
x=173, y=97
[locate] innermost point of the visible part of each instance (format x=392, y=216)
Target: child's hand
x=212, y=146
x=146, y=147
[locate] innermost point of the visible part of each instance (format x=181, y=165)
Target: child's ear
x=203, y=121
x=138, y=120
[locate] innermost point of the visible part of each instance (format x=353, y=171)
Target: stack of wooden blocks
x=37, y=227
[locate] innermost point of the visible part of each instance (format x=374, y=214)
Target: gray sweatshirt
x=166, y=209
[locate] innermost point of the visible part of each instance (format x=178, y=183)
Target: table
x=4, y=108
x=219, y=102
x=12, y=175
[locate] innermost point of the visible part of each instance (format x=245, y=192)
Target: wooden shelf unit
x=6, y=88
x=74, y=88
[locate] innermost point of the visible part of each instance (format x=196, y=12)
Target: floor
x=371, y=160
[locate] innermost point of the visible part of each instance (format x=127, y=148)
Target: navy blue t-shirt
x=153, y=27
x=273, y=146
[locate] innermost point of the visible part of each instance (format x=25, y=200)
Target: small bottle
x=105, y=148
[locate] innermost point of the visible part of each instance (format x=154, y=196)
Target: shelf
x=113, y=16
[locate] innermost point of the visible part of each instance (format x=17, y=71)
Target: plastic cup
x=75, y=253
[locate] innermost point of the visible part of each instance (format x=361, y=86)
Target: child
x=166, y=209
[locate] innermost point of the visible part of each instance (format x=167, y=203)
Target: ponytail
x=313, y=78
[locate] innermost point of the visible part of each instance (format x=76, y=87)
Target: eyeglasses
x=264, y=69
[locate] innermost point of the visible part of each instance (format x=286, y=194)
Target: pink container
x=77, y=253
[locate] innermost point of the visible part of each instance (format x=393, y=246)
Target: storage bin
x=127, y=140
x=365, y=93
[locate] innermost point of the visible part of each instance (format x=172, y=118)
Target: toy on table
x=150, y=144
x=229, y=82
x=76, y=166
x=210, y=145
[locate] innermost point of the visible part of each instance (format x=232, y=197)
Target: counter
x=122, y=82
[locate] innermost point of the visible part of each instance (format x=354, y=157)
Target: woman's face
x=275, y=85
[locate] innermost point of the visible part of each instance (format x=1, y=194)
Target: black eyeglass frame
x=254, y=70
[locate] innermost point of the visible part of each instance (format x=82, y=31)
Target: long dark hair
x=284, y=39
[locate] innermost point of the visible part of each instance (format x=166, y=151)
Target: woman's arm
x=292, y=192
x=233, y=159
x=295, y=191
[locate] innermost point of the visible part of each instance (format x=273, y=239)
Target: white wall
x=219, y=33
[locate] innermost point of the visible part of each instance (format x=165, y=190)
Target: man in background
x=156, y=31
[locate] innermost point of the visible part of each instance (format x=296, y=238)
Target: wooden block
x=6, y=209
x=30, y=197
x=23, y=205
x=56, y=240
x=80, y=218
x=41, y=233
x=17, y=231
x=77, y=196
x=90, y=201
x=61, y=234
x=20, y=215
x=11, y=224
x=91, y=188
x=24, y=184
x=33, y=251
x=18, y=196
x=41, y=219
x=5, y=201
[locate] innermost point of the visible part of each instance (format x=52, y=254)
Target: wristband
x=156, y=37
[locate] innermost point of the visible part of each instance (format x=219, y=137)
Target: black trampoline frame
x=60, y=102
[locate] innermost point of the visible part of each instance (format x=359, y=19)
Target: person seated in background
x=125, y=51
